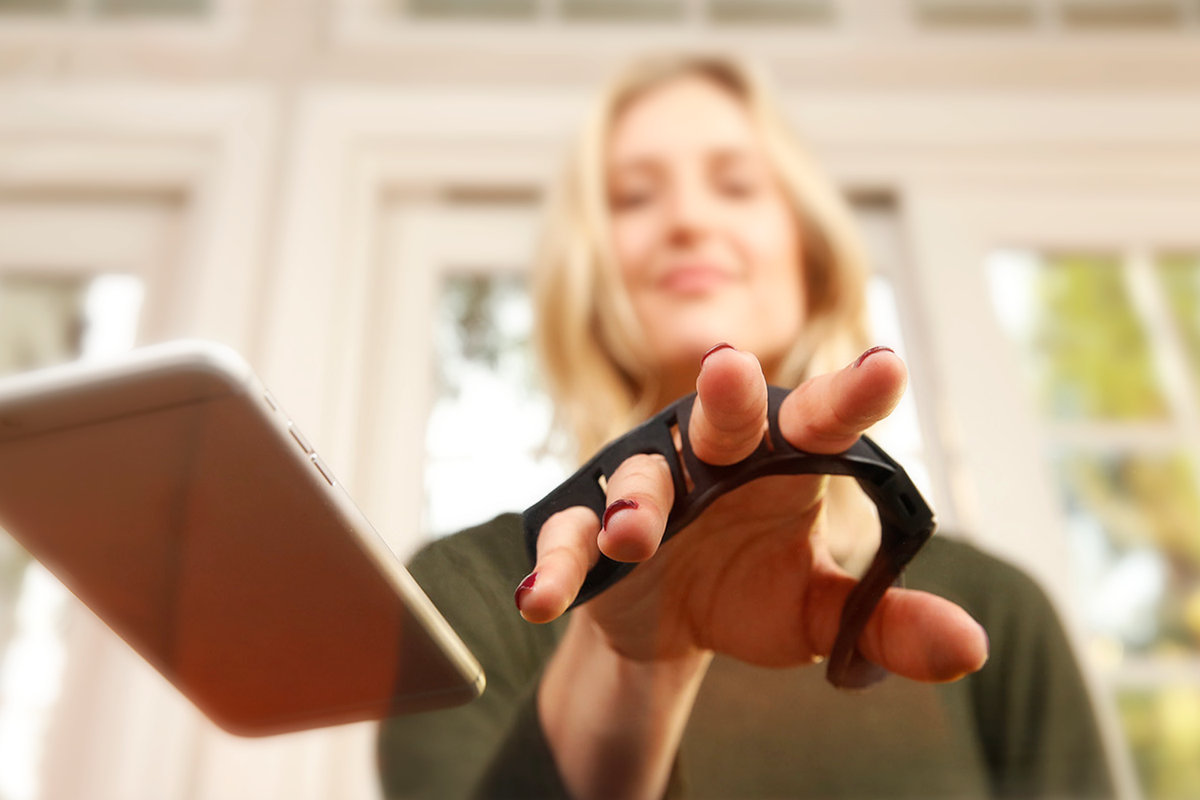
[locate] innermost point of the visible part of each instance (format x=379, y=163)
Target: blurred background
x=347, y=192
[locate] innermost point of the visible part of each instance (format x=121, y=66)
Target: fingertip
x=972, y=652
x=870, y=351
x=566, y=550
x=729, y=415
x=882, y=370
x=525, y=587
x=616, y=506
x=716, y=347
x=944, y=644
x=628, y=536
x=641, y=493
x=828, y=413
x=539, y=599
x=729, y=378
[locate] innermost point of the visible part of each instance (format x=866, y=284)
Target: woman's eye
x=629, y=198
x=737, y=185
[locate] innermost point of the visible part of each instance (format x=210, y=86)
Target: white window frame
x=1004, y=440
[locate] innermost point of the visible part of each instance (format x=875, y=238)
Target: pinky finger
x=567, y=549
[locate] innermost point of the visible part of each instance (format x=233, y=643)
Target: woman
x=688, y=219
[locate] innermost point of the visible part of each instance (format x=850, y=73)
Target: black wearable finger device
x=906, y=520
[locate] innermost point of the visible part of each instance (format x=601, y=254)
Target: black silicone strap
x=906, y=520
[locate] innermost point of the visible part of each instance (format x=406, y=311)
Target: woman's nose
x=691, y=213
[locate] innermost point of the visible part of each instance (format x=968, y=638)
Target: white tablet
x=171, y=493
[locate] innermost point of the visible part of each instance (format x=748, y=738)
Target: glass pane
x=1181, y=280
x=807, y=12
x=1163, y=729
x=1082, y=347
x=978, y=14
x=49, y=319
x=1119, y=14
x=486, y=373
x=41, y=321
x=1133, y=523
x=472, y=9
x=150, y=8
x=34, y=7
x=622, y=10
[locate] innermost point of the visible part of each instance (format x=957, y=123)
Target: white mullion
x=1167, y=349
x=1048, y=16
x=887, y=250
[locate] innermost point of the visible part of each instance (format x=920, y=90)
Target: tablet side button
x=324, y=470
x=299, y=437
x=270, y=401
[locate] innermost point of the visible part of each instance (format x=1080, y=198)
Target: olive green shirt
x=1022, y=727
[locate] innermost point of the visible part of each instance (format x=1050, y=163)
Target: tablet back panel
x=177, y=505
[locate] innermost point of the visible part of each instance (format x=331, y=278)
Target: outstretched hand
x=753, y=576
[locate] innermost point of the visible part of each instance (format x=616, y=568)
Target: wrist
x=614, y=722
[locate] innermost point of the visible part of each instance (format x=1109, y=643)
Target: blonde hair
x=588, y=334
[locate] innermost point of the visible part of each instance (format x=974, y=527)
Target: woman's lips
x=692, y=280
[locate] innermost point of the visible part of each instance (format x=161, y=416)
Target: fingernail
x=525, y=588
x=987, y=646
x=713, y=349
x=614, y=507
x=872, y=352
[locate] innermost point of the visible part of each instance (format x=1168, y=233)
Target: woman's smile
x=693, y=278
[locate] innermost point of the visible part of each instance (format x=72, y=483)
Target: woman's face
x=707, y=243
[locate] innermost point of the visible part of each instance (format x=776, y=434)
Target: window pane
x=41, y=321
x=150, y=8
x=49, y=319
x=1134, y=530
x=33, y=7
x=806, y=12
x=1181, y=280
x=490, y=422
x=472, y=9
x=1083, y=350
x=622, y=10
x=1163, y=730
x=976, y=14
x=1121, y=14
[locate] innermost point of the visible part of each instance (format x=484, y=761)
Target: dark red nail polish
x=525, y=588
x=715, y=348
x=870, y=353
x=614, y=507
